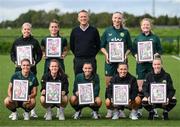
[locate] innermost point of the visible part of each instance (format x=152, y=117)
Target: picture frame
x=53, y=92
x=20, y=90
x=24, y=52
x=86, y=93
x=121, y=94
x=116, y=52
x=158, y=93
x=53, y=47
x=145, y=51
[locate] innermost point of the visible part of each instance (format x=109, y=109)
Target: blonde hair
x=123, y=21
x=26, y=24
x=54, y=21
x=147, y=19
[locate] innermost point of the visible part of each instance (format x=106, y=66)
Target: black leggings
x=169, y=107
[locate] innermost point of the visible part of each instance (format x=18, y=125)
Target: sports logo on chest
x=30, y=83
x=150, y=39
x=116, y=39
x=164, y=81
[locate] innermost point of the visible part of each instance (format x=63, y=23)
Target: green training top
x=33, y=82
x=80, y=78
x=151, y=37
x=116, y=35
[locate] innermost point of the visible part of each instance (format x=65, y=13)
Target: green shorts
x=110, y=69
x=142, y=69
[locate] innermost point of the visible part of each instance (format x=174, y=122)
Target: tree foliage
x=42, y=18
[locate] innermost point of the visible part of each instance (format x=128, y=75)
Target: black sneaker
x=165, y=116
x=151, y=115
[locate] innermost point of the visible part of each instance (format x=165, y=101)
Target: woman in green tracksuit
x=142, y=68
x=88, y=76
x=114, y=33
x=54, y=33
x=24, y=75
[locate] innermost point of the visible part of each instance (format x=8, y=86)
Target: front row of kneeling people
x=56, y=74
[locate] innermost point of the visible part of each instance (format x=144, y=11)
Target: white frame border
x=53, y=102
x=127, y=96
x=92, y=93
x=122, y=52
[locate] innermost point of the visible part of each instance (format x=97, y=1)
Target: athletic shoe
x=48, y=114
x=45, y=115
x=122, y=114
x=57, y=114
x=139, y=113
x=165, y=115
x=61, y=114
x=109, y=113
x=115, y=115
x=156, y=113
x=77, y=115
x=26, y=115
x=14, y=116
x=94, y=115
x=151, y=115
x=133, y=115
x=33, y=114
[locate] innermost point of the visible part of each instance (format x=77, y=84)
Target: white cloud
x=11, y=9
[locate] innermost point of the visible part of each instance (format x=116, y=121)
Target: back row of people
x=85, y=44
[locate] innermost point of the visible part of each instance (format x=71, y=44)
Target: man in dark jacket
x=84, y=43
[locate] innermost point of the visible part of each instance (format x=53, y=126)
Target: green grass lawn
x=171, y=65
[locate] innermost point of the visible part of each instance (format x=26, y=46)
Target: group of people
x=85, y=44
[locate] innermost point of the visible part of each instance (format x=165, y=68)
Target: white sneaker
x=139, y=113
x=133, y=115
x=33, y=114
x=122, y=114
x=61, y=114
x=26, y=115
x=94, y=115
x=156, y=113
x=49, y=114
x=109, y=113
x=45, y=115
x=11, y=115
x=57, y=114
x=14, y=116
x=77, y=115
x=115, y=115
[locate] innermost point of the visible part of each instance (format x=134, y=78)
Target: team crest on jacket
x=30, y=83
x=109, y=34
x=164, y=81
x=122, y=34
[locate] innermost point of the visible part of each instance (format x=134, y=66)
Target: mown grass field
x=171, y=65
x=42, y=32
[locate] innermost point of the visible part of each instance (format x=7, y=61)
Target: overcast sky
x=11, y=9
